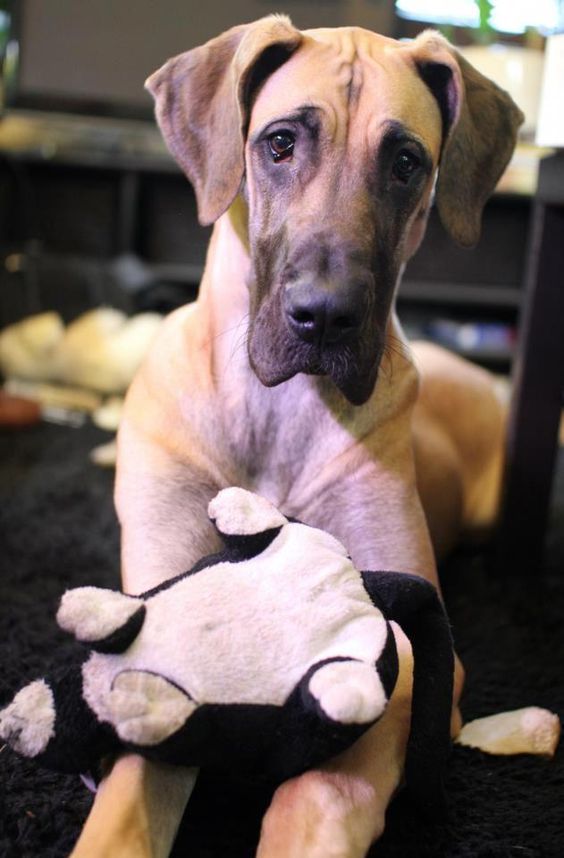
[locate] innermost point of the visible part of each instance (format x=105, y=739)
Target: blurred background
x=93, y=211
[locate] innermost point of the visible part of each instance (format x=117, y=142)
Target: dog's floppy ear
x=480, y=124
x=203, y=99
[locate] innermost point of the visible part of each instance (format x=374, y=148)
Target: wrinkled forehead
x=360, y=81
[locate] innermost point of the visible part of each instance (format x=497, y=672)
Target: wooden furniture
x=538, y=378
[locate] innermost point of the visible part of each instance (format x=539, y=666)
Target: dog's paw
x=349, y=692
x=321, y=814
x=146, y=709
x=531, y=730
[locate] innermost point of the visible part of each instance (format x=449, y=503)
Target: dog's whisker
x=241, y=334
x=398, y=346
x=393, y=347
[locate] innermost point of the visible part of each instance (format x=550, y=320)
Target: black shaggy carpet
x=57, y=530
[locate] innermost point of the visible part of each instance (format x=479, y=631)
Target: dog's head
x=334, y=138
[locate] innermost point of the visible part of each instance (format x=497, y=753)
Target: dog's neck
x=224, y=293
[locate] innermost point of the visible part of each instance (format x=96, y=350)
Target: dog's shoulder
x=180, y=350
x=175, y=374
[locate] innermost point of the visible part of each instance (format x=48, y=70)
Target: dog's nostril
x=303, y=317
x=343, y=323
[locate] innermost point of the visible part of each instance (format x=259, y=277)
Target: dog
x=317, y=155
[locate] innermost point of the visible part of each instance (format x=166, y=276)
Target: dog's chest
x=281, y=441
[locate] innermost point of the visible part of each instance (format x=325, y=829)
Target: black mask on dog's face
x=329, y=221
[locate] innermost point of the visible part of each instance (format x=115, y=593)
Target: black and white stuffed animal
x=266, y=658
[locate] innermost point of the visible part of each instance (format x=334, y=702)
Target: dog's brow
x=305, y=115
x=396, y=128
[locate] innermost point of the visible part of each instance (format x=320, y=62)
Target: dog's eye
x=405, y=165
x=281, y=145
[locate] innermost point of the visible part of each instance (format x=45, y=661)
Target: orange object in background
x=16, y=412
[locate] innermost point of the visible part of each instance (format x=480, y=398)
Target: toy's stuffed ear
x=414, y=604
x=237, y=512
x=106, y=620
x=246, y=522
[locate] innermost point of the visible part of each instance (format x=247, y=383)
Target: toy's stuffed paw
x=146, y=709
x=349, y=692
x=28, y=722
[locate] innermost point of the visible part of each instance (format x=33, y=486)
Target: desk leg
x=538, y=380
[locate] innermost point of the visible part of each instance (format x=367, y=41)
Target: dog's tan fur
x=198, y=418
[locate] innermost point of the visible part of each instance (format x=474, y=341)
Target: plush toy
x=266, y=658
x=100, y=350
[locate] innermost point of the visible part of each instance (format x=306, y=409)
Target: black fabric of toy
x=265, y=659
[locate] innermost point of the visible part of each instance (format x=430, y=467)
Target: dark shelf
x=100, y=209
x=456, y=294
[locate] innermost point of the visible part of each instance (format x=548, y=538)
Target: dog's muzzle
x=319, y=326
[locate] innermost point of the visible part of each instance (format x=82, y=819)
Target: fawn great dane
x=317, y=156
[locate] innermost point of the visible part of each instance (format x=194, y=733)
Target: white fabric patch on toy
x=29, y=737
x=147, y=709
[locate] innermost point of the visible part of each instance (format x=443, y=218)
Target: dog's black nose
x=324, y=314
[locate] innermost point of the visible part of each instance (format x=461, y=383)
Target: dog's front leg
x=137, y=810
x=338, y=810
x=162, y=509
